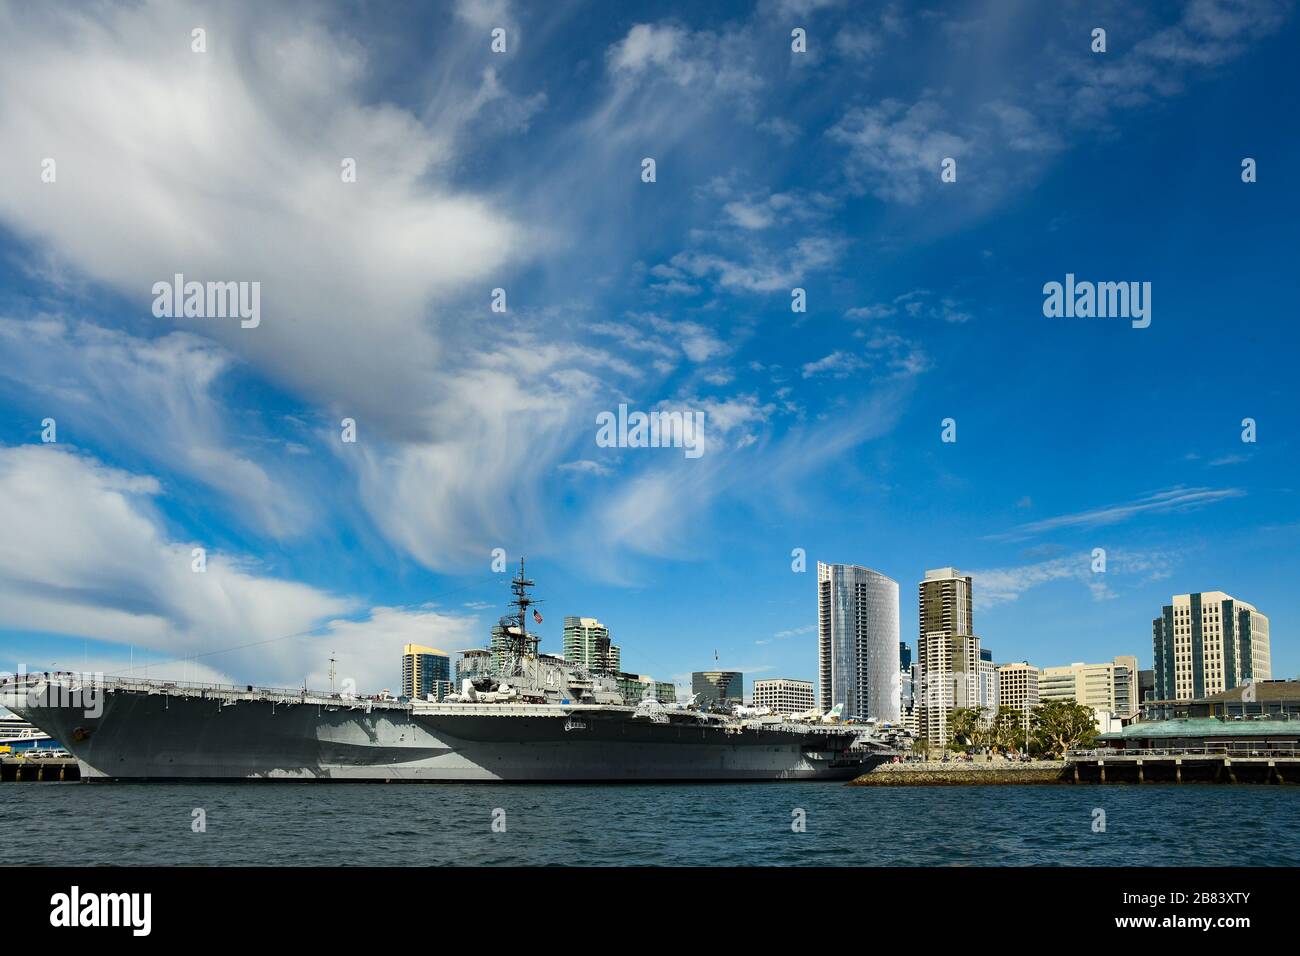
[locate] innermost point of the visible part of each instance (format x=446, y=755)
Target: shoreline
x=931, y=773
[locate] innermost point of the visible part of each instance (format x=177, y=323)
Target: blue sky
x=476, y=429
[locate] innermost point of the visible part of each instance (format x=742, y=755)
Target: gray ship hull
x=152, y=734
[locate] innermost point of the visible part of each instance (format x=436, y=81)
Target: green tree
x=1060, y=725
x=1007, y=732
x=966, y=728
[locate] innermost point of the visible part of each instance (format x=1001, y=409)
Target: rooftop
x=413, y=649
x=1265, y=690
x=942, y=574
x=1204, y=727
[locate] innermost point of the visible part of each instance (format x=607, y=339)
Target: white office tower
x=1206, y=643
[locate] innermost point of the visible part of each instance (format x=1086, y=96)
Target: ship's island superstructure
x=537, y=718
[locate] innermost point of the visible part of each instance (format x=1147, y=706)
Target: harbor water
x=697, y=825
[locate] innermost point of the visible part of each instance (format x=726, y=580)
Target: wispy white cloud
x=1208, y=34
x=585, y=466
x=918, y=303
x=485, y=15
x=1173, y=499
x=896, y=149
x=660, y=510
x=763, y=271
x=795, y=631
x=838, y=364
x=996, y=586
x=159, y=397
x=704, y=62
x=347, y=270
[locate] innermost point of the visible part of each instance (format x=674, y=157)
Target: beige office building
x=1110, y=687
x=783, y=695
x=1018, y=686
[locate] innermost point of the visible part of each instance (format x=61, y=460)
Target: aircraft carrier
x=537, y=718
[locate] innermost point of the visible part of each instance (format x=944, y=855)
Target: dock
x=21, y=769
x=1185, y=766
x=1206, y=765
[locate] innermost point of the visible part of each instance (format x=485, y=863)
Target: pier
x=1192, y=765
x=22, y=769
x=1183, y=766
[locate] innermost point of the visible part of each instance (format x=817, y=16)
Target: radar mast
x=519, y=643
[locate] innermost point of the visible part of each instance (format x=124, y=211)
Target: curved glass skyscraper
x=857, y=641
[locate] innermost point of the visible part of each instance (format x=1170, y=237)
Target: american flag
x=537, y=616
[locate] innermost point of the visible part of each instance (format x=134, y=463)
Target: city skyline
x=555, y=644
x=1127, y=701
x=784, y=180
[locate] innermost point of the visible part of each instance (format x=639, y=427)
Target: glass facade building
x=587, y=645
x=718, y=685
x=633, y=687
x=425, y=671
x=858, y=642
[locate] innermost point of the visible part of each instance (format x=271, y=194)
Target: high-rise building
x=1207, y=643
x=499, y=645
x=857, y=641
x=784, y=695
x=718, y=685
x=988, y=683
x=1111, y=687
x=587, y=645
x=947, y=652
x=425, y=671
x=1018, y=686
x=906, y=681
